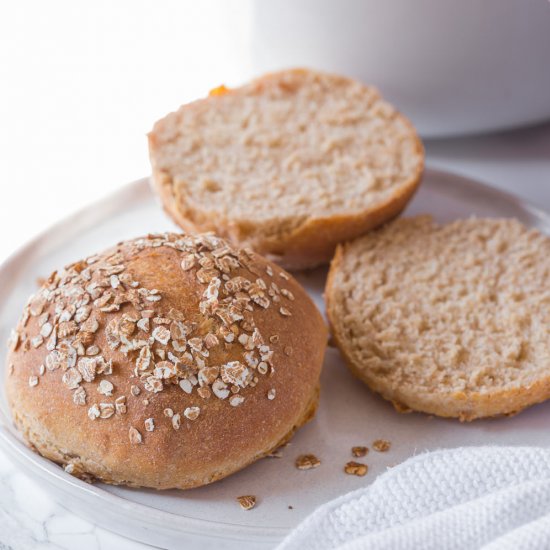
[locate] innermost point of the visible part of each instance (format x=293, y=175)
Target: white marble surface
x=517, y=161
x=31, y=520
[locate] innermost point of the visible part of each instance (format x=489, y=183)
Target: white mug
x=452, y=66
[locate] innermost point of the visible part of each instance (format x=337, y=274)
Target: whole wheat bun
x=290, y=164
x=169, y=361
x=451, y=320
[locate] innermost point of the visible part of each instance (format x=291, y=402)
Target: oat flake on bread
x=163, y=362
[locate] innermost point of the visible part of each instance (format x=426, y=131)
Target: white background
x=81, y=83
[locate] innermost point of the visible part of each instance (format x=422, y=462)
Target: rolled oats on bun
x=168, y=361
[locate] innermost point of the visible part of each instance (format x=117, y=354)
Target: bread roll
x=451, y=320
x=290, y=164
x=169, y=361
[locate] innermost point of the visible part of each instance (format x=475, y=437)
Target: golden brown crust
x=464, y=405
x=306, y=242
x=94, y=469
x=222, y=440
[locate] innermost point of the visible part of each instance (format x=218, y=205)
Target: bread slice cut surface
x=449, y=319
x=290, y=164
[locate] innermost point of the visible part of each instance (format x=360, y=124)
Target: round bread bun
x=169, y=361
x=451, y=320
x=290, y=164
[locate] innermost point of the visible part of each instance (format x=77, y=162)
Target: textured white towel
x=495, y=498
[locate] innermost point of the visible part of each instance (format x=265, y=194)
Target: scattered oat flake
x=153, y=384
x=72, y=378
x=161, y=321
x=359, y=451
x=176, y=421
x=164, y=370
x=90, y=325
x=356, y=469
x=271, y=394
x=188, y=262
x=210, y=340
x=247, y=502
x=149, y=424
x=186, y=385
x=135, y=390
x=127, y=326
x=192, y=413
x=120, y=404
x=287, y=294
x=46, y=330
x=236, y=400
x=79, y=396
x=161, y=334
x=381, y=445
x=37, y=341
x=220, y=389
x=33, y=381
x=243, y=339
x=135, y=436
x=93, y=412
x=106, y=410
x=143, y=324
x=14, y=341
x=235, y=373
x=307, y=462
x=106, y=388
x=169, y=413
x=285, y=312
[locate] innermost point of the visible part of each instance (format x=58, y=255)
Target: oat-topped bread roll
x=167, y=361
x=452, y=320
x=291, y=164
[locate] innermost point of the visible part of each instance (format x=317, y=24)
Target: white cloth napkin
x=495, y=498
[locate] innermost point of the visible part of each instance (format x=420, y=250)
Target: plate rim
x=54, y=476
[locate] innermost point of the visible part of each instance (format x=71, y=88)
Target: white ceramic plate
x=349, y=413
